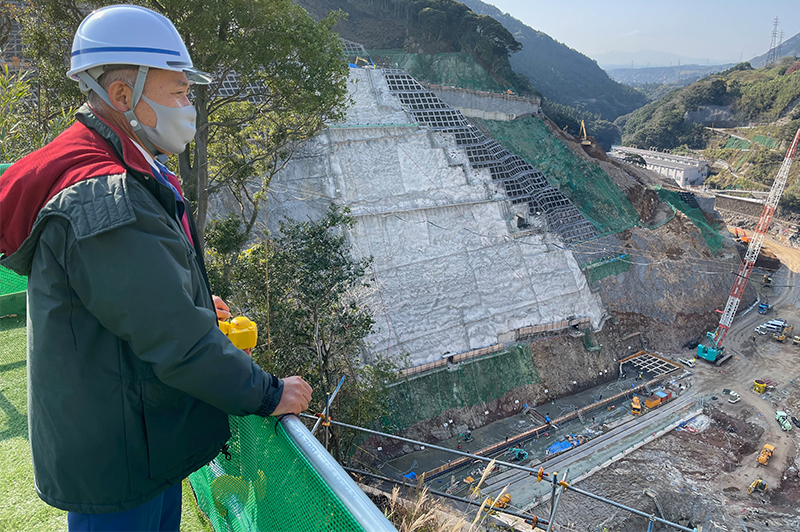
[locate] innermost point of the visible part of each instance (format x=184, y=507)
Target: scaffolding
x=522, y=183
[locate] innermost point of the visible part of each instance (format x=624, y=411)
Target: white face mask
x=175, y=126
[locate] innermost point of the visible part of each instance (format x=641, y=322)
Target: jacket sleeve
x=141, y=282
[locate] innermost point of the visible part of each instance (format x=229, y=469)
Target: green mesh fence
x=473, y=382
x=766, y=141
x=713, y=239
x=451, y=69
x=606, y=268
x=589, y=188
x=737, y=144
x=261, y=486
x=11, y=283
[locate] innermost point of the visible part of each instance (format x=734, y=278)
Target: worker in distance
x=130, y=380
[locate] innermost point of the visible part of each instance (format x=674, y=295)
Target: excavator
x=584, y=137
x=757, y=485
x=786, y=332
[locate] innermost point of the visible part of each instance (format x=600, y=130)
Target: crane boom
x=754, y=248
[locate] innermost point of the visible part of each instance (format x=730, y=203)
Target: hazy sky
x=706, y=29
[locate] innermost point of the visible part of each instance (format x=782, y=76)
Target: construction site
x=572, y=358
x=550, y=301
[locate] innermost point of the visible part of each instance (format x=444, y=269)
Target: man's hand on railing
x=295, y=398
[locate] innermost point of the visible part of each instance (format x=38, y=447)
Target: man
x=130, y=379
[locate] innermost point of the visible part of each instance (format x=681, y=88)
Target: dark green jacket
x=130, y=379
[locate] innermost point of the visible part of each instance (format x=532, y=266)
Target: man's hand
x=295, y=398
x=223, y=310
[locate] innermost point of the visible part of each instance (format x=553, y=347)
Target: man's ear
x=120, y=95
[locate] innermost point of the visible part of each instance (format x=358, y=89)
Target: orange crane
x=713, y=352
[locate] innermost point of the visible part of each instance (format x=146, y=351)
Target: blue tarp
x=559, y=447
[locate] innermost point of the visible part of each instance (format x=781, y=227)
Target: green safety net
x=11, y=283
x=589, y=188
x=737, y=144
x=766, y=141
x=267, y=485
x=449, y=69
x=711, y=235
x=606, y=268
x=473, y=382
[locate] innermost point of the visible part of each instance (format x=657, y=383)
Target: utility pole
x=773, y=43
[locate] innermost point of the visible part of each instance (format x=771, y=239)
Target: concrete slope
x=456, y=263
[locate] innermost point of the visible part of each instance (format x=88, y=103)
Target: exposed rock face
x=674, y=281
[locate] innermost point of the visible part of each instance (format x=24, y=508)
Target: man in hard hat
x=130, y=379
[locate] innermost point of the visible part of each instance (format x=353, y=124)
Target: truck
x=763, y=308
x=783, y=420
x=766, y=454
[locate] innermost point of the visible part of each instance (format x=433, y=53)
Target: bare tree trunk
x=200, y=167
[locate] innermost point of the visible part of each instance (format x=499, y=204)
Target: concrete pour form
x=452, y=267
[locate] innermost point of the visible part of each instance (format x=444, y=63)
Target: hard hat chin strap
x=130, y=116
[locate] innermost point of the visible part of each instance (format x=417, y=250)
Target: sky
x=714, y=30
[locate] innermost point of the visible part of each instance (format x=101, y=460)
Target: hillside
x=562, y=74
x=789, y=48
x=740, y=120
x=739, y=96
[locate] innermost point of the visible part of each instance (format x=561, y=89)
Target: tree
x=287, y=70
x=307, y=295
x=635, y=158
x=19, y=135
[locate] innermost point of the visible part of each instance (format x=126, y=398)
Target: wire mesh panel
x=521, y=181
x=260, y=486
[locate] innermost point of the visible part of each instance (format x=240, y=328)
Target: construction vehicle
x=795, y=340
x=757, y=485
x=714, y=351
x=584, y=137
x=783, y=420
x=636, y=405
x=781, y=336
x=502, y=502
x=763, y=308
x=466, y=437
x=517, y=454
x=766, y=454
x=766, y=280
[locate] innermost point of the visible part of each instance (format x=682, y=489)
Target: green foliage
x=24, y=124
x=290, y=71
x=763, y=95
x=306, y=293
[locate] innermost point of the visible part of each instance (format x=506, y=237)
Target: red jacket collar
x=89, y=148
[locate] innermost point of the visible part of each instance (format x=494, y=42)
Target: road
x=521, y=485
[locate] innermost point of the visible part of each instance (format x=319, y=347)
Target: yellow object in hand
x=242, y=332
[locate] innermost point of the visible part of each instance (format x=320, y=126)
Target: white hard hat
x=129, y=35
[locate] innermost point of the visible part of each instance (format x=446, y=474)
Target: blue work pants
x=159, y=514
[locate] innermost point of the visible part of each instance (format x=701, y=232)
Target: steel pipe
x=343, y=487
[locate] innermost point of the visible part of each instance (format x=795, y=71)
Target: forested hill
x=428, y=27
x=739, y=96
x=562, y=74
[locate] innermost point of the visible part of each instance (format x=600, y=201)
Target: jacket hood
x=89, y=148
